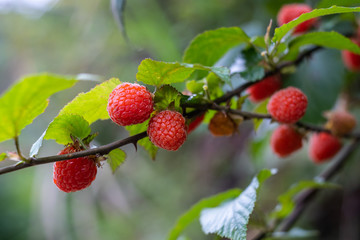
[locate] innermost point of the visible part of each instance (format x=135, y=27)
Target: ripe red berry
x=323, y=146
x=287, y=105
x=130, y=103
x=350, y=59
x=167, y=130
x=264, y=88
x=285, y=140
x=74, y=174
x=195, y=123
x=289, y=12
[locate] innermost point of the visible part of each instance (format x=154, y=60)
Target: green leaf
x=208, y=47
x=92, y=105
x=280, y=32
x=3, y=156
x=230, y=219
x=258, y=41
x=65, y=125
x=253, y=71
x=344, y=3
x=27, y=99
x=145, y=142
x=157, y=73
x=115, y=158
x=324, y=39
x=286, y=202
x=194, y=212
x=167, y=97
x=262, y=109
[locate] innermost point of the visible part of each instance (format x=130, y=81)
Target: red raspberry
x=285, y=140
x=289, y=12
x=264, y=88
x=74, y=174
x=288, y=105
x=323, y=146
x=195, y=123
x=167, y=130
x=350, y=59
x=130, y=103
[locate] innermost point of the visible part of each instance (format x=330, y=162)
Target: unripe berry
x=350, y=59
x=323, y=146
x=287, y=105
x=222, y=125
x=264, y=88
x=74, y=174
x=285, y=140
x=167, y=130
x=130, y=103
x=289, y=12
x=340, y=122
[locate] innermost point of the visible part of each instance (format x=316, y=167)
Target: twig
x=94, y=151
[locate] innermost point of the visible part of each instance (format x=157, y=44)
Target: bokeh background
x=143, y=199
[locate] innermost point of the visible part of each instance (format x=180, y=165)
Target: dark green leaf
x=230, y=219
x=145, y=142
x=208, y=47
x=167, y=97
x=325, y=39
x=253, y=71
x=27, y=99
x=194, y=212
x=3, y=156
x=286, y=202
x=280, y=32
x=115, y=158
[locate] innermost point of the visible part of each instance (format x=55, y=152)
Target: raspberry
x=74, y=174
x=340, y=122
x=167, y=130
x=130, y=103
x=285, y=140
x=323, y=146
x=350, y=59
x=222, y=125
x=195, y=123
x=264, y=88
x=288, y=105
x=289, y=12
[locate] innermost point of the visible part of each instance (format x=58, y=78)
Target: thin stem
x=17, y=145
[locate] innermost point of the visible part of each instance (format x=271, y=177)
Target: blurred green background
x=144, y=198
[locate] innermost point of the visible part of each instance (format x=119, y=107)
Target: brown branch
x=94, y=151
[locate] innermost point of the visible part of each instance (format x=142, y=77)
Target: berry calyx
x=167, y=130
x=195, y=123
x=288, y=105
x=264, y=88
x=289, y=12
x=74, y=174
x=222, y=124
x=340, y=122
x=350, y=59
x=323, y=146
x=130, y=103
x=285, y=140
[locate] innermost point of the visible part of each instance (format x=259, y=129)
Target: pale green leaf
x=27, y=99
x=115, y=158
x=280, y=32
x=92, y=105
x=324, y=39
x=208, y=47
x=194, y=212
x=35, y=148
x=145, y=142
x=286, y=200
x=65, y=125
x=157, y=73
x=230, y=219
x=3, y=156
